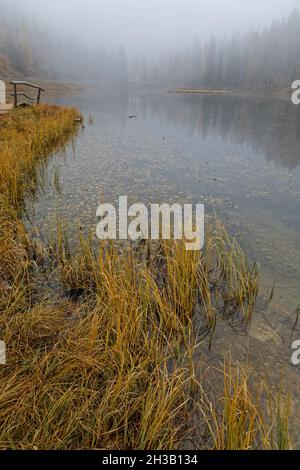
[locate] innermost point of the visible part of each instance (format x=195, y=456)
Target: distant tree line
x=265, y=60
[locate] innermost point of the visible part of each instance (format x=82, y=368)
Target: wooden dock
x=6, y=107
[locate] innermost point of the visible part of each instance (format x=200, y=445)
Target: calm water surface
x=240, y=157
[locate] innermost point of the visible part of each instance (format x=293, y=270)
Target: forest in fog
x=262, y=59
x=29, y=49
x=266, y=60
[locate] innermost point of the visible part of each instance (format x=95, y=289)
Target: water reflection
x=269, y=127
x=239, y=156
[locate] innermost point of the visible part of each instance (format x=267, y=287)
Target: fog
x=153, y=26
x=220, y=44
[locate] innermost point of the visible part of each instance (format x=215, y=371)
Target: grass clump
x=247, y=414
x=27, y=138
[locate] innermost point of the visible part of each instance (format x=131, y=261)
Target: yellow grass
x=248, y=414
x=27, y=137
x=106, y=359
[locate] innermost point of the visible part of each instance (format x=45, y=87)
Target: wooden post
x=39, y=96
x=15, y=96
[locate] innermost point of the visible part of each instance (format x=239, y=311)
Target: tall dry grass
x=27, y=138
x=240, y=410
x=102, y=355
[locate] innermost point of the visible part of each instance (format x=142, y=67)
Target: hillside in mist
x=16, y=51
x=265, y=60
x=29, y=49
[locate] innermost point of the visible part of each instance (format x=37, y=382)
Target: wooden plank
x=5, y=108
x=31, y=98
x=32, y=85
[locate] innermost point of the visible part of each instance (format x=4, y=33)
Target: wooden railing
x=16, y=94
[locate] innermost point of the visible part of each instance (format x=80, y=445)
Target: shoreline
x=284, y=94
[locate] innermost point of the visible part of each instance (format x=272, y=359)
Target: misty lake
x=238, y=156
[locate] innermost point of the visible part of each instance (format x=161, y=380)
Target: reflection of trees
x=270, y=127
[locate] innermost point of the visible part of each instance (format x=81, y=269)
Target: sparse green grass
x=106, y=361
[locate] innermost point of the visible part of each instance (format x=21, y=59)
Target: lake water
x=238, y=156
